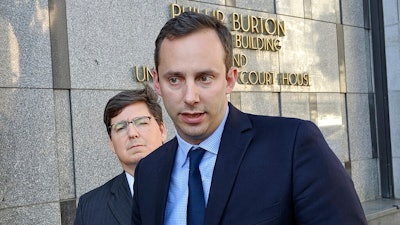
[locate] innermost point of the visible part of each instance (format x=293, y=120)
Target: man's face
x=133, y=143
x=193, y=82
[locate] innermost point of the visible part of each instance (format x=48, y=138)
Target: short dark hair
x=125, y=98
x=190, y=22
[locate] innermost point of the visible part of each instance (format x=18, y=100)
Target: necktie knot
x=195, y=156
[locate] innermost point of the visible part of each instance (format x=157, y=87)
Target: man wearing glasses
x=135, y=127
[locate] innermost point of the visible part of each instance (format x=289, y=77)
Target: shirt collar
x=211, y=144
x=130, y=179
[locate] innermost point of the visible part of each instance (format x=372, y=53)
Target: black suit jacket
x=109, y=204
x=269, y=170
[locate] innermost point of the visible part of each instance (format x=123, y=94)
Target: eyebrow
x=172, y=73
x=177, y=73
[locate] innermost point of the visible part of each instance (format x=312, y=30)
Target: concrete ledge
x=382, y=211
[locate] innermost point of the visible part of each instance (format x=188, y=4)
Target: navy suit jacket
x=269, y=170
x=109, y=204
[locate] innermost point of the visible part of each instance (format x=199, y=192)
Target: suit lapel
x=235, y=139
x=164, y=172
x=120, y=202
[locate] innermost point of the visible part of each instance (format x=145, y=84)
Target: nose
x=192, y=94
x=132, y=131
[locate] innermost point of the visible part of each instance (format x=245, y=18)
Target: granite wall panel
x=43, y=214
x=323, y=57
x=294, y=55
x=216, y=2
x=107, y=40
x=28, y=163
x=357, y=60
x=396, y=176
x=328, y=10
x=25, y=56
x=260, y=103
x=391, y=15
x=394, y=118
x=290, y=8
x=392, y=43
x=264, y=6
x=332, y=122
x=295, y=105
x=310, y=47
x=359, y=127
x=366, y=179
x=353, y=12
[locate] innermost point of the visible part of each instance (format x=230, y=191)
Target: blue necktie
x=196, y=204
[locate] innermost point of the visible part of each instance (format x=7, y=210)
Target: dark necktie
x=196, y=204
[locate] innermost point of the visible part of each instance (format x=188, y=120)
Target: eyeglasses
x=141, y=123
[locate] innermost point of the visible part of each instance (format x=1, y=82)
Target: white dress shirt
x=175, y=212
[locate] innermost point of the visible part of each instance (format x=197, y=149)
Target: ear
x=156, y=82
x=163, y=130
x=231, y=78
x=111, y=145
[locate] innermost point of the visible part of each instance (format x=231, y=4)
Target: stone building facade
x=334, y=62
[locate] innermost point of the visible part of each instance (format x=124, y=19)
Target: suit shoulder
x=257, y=120
x=160, y=152
x=277, y=120
x=283, y=125
x=99, y=191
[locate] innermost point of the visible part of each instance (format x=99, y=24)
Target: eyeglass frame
x=126, y=123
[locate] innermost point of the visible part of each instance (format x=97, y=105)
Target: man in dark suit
x=254, y=169
x=135, y=127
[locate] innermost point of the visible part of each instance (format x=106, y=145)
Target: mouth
x=134, y=146
x=192, y=118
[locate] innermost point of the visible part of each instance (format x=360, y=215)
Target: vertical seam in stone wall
x=73, y=155
x=347, y=166
x=348, y=132
x=280, y=103
x=59, y=44
x=340, y=12
x=67, y=205
x=72, y=138
x=307, y=9
x=313, y=107
x=68, y=209
x=372, y=123
x=381, y=101
x=341, y=58
x=366, y=15
x=62, y=80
